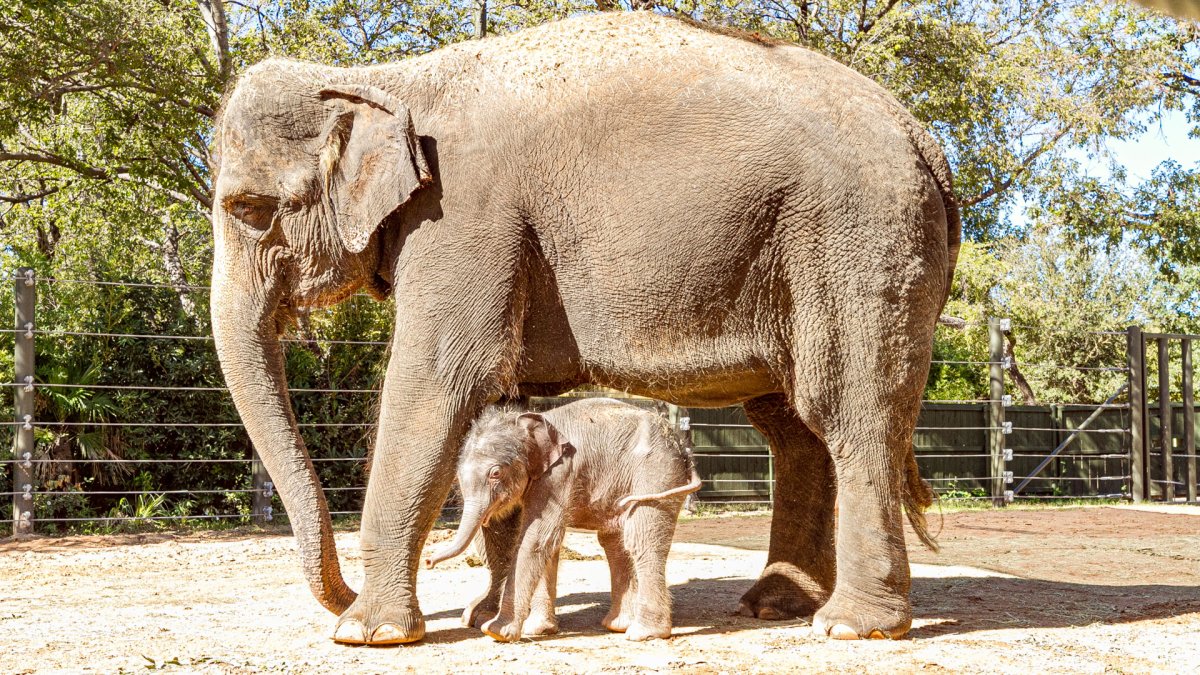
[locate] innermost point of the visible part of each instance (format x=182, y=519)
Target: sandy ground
x=1065, y=590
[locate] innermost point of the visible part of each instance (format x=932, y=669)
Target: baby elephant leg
x=542, y=620
x=540, y=539
x=647, y=535
x=624, y=581
x=499, y=539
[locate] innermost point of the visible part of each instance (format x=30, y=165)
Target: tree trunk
x=1018, y=378
x=213, y=14
x=168, y=250
x=480, y=19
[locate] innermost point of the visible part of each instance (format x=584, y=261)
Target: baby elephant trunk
x=673, y=492
x=472, y=518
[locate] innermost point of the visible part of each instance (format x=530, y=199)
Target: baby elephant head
x=503, y=454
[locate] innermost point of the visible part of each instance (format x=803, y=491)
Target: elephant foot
x=364, y=624
x=540, y=625
x=843, y=619
x=618, y=622
x=481, y=610
x=503, y=629
x=783, y=592
x=640, y=632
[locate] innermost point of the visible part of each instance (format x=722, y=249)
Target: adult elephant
x=622, y=199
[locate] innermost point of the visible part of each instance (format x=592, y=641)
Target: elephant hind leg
x=863, y=401
x=801, y=565
x=624, y=581
x=647, y=537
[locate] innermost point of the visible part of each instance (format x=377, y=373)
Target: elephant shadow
x=941, y=606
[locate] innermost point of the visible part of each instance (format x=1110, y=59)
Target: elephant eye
x=494, y=473
x=256, y=212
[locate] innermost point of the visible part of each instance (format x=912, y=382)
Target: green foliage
x=1068, y=302
x=952, y=492
x=1011, y=89
x=108, y=108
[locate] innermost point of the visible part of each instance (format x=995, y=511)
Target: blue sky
x=1166, y=140
x=1163, y=140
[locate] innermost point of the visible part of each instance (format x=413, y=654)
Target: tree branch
x=1023, y=168
x=54, y=160
x=26, y=198
x=952, y=321
x=1014, y=370
x=213, y=14
x=1017, y=377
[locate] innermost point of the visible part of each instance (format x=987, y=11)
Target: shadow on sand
x=945, y=606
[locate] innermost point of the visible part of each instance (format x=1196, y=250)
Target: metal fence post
x=1164, y=418
x=264, y=490
x=1138, y=447
x=25, y=299
x=996, y=409
x=1189, y=419
x=682, y=420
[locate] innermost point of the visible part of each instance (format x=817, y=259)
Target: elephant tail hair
x=918, y=497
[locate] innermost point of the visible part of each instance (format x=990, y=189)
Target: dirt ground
x=1053, y=590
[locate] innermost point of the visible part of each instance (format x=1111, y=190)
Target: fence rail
x=969, y=450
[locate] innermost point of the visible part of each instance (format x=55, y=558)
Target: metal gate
x=1163, y=437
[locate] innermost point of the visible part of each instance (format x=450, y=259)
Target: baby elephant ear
x=371, y=160
x=547, y=447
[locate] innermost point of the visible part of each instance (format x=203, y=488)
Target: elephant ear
x=546, y=445
x=371, y=160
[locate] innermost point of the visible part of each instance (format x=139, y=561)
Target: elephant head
x=308, y=168
x=503, y=454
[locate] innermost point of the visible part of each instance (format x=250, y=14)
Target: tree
x=1011, y=89
x=110, y=105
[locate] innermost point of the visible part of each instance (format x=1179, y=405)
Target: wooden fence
x=951, y=447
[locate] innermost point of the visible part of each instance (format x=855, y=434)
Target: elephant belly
x=695, y=370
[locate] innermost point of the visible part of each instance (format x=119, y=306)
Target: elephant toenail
x=770, y=614
x=388, y=633
x=350, y=632
x=877, y=635
x=843, y=632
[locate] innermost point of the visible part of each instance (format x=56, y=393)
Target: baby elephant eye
x=494, y=474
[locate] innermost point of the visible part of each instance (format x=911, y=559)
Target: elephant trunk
x=247, y=339
x=472, y=519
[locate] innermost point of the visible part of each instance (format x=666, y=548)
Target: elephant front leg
x=541, y=538
x=499, y=545
x=427, y=403
x=411, y=473
x=801, y=566
x=542, y=619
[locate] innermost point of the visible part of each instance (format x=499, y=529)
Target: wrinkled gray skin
x=576, y=466
x=622, y=199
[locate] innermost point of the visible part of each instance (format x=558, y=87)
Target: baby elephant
x=596, y=464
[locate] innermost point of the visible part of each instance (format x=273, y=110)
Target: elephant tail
x=685, y=489
x=918, y=497
x=939, y=168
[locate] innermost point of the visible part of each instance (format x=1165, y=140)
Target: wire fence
x=113, y=427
